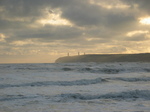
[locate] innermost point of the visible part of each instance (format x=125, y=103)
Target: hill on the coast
x=145, y=57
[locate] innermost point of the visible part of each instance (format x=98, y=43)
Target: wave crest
x=133, y=95
x=58, y=83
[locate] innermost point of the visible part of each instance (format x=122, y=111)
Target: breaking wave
x=106, y=70
x=15, y=97
x=77, y=82
x=127, y=95
x=145, y=79
x=95, y=70
x=135, y=94
x=69, y=83
x=59, y=83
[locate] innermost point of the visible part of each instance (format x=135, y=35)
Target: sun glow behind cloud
x=54, y=19
x=52, y=28
x=57, y=21
x=145, y=21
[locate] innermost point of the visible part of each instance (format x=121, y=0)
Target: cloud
x=92, y=15
x=2, y=37
x=55, y=26
x=47, y=33
x=142, y=5
x=138, y=35
x=95, y=15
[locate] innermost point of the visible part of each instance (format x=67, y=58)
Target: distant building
x=78, y=53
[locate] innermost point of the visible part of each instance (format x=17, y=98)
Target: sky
x=40, y=31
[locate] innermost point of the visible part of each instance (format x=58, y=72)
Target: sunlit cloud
x=2, y=37
x=22, y=43
x=145, y=21
x=132, y=33
x=54, y=19
x=52, y=28
x=92, y=39
x=115, y=5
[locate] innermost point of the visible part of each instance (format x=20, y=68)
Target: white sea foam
x=70, y=87
x=58, y=83
x=133, y=79
x=135, y=94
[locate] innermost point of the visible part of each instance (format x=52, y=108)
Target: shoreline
x=142, y=57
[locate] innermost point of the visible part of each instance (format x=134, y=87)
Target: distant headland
x=142, y=57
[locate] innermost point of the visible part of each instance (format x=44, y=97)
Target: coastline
x=142, y=57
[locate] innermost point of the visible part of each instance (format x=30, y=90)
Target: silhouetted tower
x=68, y=54
x=84, y=53
x=78, y=53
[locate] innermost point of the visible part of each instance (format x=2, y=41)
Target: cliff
x=145, y=57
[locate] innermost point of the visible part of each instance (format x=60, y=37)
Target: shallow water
x=75, y=87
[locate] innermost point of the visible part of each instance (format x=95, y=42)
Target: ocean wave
x=127, y=95
x=69, y=83
x=16, y=97
x=77, y=82
x=67, y=69
x=134, y=79
x=146, y=69
x=106, y=68
x=109, y=70
x=94, y=70
x=58, y=83
x=132, y=95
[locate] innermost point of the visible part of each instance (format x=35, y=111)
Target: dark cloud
x=91, y=24
x=22, y=8
x=83, y=14
x=80, y=13
x=12, y=25
x=50, y=32
x=142, y=5
x=138, y=37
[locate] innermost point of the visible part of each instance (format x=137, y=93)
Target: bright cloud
x=53, y=18
x=22, y=43
x=110, y=5
x=145, y=21
x=132, y=33
x=2, y=37
x=31, y=29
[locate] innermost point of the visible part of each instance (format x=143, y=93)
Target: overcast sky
x=40, y=31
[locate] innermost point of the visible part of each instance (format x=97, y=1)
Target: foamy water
x=75, y=87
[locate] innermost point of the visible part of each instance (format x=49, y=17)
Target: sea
x=75, y=87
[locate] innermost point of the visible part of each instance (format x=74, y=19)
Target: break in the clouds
x=43, y=30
